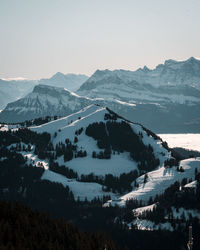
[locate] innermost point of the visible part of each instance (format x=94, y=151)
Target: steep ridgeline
x=43, y=101
x=168, y=93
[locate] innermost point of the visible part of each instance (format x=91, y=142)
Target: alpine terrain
x=169, y=93
x=12, y=90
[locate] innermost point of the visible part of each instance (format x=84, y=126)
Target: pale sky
x=41, y=37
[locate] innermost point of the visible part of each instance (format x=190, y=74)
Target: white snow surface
x=159, y=180
x=188, y=141
x=140, y=210
x=129, y=93
x=192, y=184
x=66, y=122
x=33, y=159
x=117, y=165
x=80, y=189
x=150, y=225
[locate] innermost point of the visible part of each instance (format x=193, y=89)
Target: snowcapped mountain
x=71, y=82
x=101, y=148
x=166, y=98
x=44, y=101
x=12, y=90
x=173, y=81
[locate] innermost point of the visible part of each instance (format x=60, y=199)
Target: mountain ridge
x=14, y=89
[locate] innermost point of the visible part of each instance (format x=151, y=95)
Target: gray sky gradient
x=40, y=37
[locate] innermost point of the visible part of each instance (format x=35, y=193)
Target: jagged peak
x=193, y=59
x=170, y=61
x=101, y=72
x=58, y=74
x=146, y=69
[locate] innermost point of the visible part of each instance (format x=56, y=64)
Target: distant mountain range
x=44, y=101
x=12, y=90
x=165, y=99
x=175, y=82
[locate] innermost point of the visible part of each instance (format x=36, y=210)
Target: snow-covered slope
x=80, y=190
x=66, y=128
x=159, y=180
x=73, y=130
x=93, y=137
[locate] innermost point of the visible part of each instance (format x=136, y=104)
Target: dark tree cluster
x=27, y=187
x=38, y=121
x=187, y=198
x=69, y=150
x=186, y=153
x=171, y=162
x=79, y=131
x=69, y=173
x=106, y=154
x=15, y=175
x=112, y=183
x=109, y=116
x=81, y=153
x=119, y=137
x=97, y=131
x=23, y=228
x=40, y=141
x=65, y=149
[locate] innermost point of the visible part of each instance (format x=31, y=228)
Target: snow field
x=80, y=190
x=159, y=180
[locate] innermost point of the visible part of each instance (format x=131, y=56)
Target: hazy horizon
x=40, y=38
x=77, y=73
